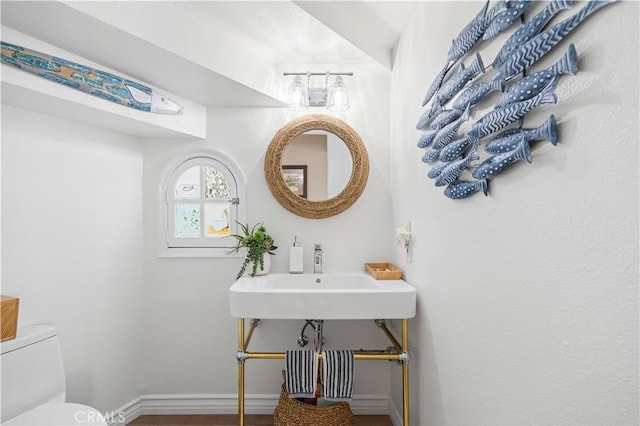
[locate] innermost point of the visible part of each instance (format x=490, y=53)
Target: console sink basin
x=321, y=296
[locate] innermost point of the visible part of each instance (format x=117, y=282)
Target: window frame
x=170, y=246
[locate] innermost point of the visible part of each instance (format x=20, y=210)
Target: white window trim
x=164, y=251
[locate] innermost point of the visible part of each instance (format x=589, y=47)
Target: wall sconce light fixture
x=303, y=94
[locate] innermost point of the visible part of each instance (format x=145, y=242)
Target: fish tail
x=497, y=85
x=557, y=5
x=473, y=139
x=465, y=116
x=474, y=154
x=483, y=186
x=547, y=96
x=524, y=150
x=549, y=130
x=478, y=65
x=568, y=64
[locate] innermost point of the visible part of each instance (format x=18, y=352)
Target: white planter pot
x=267, y=266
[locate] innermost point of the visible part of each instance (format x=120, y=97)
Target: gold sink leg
x=241, y=372
x=405, y=372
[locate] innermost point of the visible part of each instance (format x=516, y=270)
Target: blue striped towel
x=337, y=375
x=301, y=368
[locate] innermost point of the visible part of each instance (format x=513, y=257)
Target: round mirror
x=316, y=166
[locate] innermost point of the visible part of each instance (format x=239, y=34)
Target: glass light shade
x=338, y=98
x=298, y=95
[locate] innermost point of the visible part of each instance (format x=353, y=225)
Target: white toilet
x=33, y=382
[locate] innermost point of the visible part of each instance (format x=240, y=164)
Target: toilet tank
x=32, y=370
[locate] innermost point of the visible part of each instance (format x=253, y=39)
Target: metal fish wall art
x=457, y=81
x=505, y=19
x=462, y=188
x=529, y=86
x=530, y=52
x=530, y=29
x=496, y=164
x=475, y=93
x=509, y=139
x=448, y=132
x=451, y=172
x=451, y=150
x=500, y=118
x=98, y=83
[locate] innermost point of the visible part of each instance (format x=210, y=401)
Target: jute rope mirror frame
x=325, y=208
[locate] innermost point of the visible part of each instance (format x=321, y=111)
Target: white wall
x=190, y=338
x=72, y=239
x=528, y=299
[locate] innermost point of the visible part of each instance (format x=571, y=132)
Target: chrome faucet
x=317, y=259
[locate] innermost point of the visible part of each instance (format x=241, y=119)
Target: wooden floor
x=232, y=420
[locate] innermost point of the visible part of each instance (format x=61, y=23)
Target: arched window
x=202, y=205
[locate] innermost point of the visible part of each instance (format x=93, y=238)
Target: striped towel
x=301, y=369
x=337, y=375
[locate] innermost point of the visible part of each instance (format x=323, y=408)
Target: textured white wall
x=72, y=239
x=528, y=299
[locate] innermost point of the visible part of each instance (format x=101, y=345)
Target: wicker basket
x=291, y=412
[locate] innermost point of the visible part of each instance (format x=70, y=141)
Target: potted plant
x=258, y=243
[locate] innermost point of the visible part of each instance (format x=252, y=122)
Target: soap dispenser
x=295, y=257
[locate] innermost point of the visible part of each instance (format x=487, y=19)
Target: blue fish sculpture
x=456, y=148
x=463, y=42
x=445, y=117
x=509, y=139
x=531, y=85
x=530, y=29
x=436, y=83
x=426, y=139
x=475, y=93
x=451, y=172
x=428, y=115
x=457, y=81
x=506, y=18
x=496, y=164
x=472, y=32
x=462, y=189
x=431, y=155
x=98, y=83
x=502, y=117
x=540, y=45
x=448, y=132
x=437, y=169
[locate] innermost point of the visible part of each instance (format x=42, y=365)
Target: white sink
x=321, y=296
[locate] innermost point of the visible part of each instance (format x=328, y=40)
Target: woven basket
x=291, y=412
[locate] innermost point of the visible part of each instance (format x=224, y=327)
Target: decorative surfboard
x=102, y=84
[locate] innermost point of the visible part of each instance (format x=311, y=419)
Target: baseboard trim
x=395, y=415
x=228, y=404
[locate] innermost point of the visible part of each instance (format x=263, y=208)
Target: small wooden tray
x=8, y=317
x=383, y=271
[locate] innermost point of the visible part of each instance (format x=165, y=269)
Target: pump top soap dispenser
x=296, y=258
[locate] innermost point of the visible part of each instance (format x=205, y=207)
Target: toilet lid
x=60, y=414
